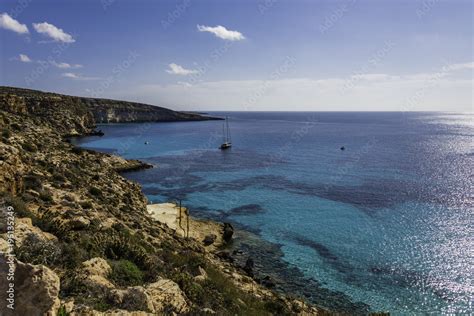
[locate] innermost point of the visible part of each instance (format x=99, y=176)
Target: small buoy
x=146, y=143
x=343, y=148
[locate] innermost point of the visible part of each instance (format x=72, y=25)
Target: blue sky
x=245, y=55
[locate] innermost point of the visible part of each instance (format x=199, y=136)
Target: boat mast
x=223, y=130
x=228, y=130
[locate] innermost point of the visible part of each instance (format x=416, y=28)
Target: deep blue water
x=388, y=221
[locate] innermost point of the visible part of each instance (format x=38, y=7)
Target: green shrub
x=46, y=195
x=72, y=255
x=38, y=251
x=77, y=150
x=62, y=311
x=194, y=291
x=186, y=260
x=121, y=229
x=101, y=304
x=32, y=182
x=126, y=273
x=29, y=147
x=16, y=126
x=6, y=133
x=276, y=307
x=95, y=191
x=18, y=205
x=59, y=177
x=86, y=204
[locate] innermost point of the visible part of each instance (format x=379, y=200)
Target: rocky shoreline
x=84, y=243
x=263, y=262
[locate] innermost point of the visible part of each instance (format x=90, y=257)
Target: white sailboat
x=226, y=133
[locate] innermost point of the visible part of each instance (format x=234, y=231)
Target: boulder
x=209, y=239
x=132, y=298
x=249, y=265
x=268, y=282
x=96, y=266
x=166, y=294
x=202, y=275
x=228, y=232
x=94, y=274
x=225, y=255
x=35, y=292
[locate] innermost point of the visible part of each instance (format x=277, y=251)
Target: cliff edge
x=41, y=103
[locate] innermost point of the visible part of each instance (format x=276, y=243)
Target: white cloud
x=70, y=75
x=75, y=76
x=185, y=84
x=24, y=58
x=389, y=93
x=9, y=23
x=373, y=77
x=462, y=66
x=222, y=32
x=66, y=65
x=176, y=69
x=53, y=32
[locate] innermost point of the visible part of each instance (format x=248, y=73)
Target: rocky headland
x=80, y=235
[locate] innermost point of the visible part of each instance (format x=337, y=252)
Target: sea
x=354, y=211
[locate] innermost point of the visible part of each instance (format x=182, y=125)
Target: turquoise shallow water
x=387, y=222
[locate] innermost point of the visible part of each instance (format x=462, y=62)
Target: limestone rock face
x=24, y=227
x=94, y=274
x=36, y=289
x=79, y=223
x=14, y=103
x=167, y=294
x=132, y=298
x=96, y=266
x=11, y=169
x=163, y=296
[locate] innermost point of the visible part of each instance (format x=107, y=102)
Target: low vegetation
x=125, y=273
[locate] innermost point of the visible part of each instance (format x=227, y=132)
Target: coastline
x=268, y=267
x=106, y=255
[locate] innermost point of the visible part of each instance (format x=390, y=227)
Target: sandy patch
x=170, y=214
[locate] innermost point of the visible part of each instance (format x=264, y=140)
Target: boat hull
x=225, y=146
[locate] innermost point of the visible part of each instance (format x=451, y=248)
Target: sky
x=262, y=55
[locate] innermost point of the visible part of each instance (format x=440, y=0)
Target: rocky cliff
x=102, y=110
x=84, y=243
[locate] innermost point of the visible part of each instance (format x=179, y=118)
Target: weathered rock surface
x=166, y=294
x=35, y=292
x=94, y=274
x=132, y=298
x=24, y=101
x=24, y=228
x=209, y=239
x=11, y=169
